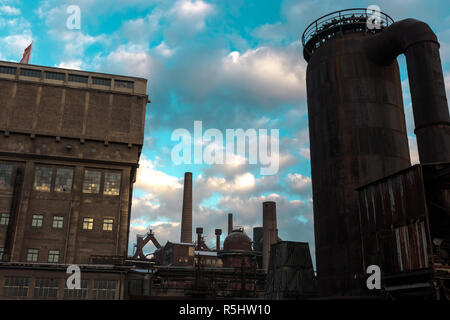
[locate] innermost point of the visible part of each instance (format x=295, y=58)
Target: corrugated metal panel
x=394, y=222
x=411, y=247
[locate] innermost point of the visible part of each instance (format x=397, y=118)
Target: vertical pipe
x=230, y=223
x=199, y=238
x=270, y=232
x=15, y=203
x=186, y=218
x=218, y=233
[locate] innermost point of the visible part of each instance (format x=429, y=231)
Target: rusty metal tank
x=357, y=135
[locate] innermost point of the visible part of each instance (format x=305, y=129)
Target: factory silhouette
x=70, y=144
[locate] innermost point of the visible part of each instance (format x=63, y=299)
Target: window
x=81, y=293
x=108, y=224
x=101, y=81
x=124, y=84
x=30, y=73
x=104, y=290
x=32, y=255
x=16, y=287
x=2, y=250
x=88, y=223
x=43, y=179
x=58, y=222
x=5, y=176
x=91, y=183
x=53, y=256
x=8, y=70
x=112, y=184
x=76, y=78
x=37, y=220
x=4, y=219
x=63, y=180
x=54, y=75
x=46, y=288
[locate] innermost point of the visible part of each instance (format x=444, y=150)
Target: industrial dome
x=237, y=240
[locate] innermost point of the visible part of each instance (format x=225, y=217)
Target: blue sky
x=231, y=64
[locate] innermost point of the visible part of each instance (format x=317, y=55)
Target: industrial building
x=370, y=206
x=70, y=143
x=190, y=269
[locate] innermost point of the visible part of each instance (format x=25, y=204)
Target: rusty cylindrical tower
x=357, y=134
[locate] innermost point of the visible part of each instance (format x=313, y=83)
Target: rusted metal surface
x=290, y=274
x=394, y=223
x=357, y=135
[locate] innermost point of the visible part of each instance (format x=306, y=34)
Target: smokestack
x=270, y=231
x=230, y=223
x=199, y=238
x=218, y=233
x=186, y=218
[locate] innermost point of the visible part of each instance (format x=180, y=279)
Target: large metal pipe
x=199, y=232
x=270, y=231
x=230, y=223
x=186, y=218
x=358, y=131
x=218, y=232
x=420, y=45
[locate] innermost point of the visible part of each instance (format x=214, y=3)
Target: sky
x=230, y=64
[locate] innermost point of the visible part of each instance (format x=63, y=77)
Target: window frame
x=102, y=290
x=88, y=223
x=42, y=290
x=35, y=177
x=11, y=183
x=53, y=253
x=112, y=172
x=33, y=219
x=2, y=218
x=19, y=285
x=55, y=178
x=77, y=294
x=33, y=254
x=108, y=224
x=100, y=182
x=58, y=221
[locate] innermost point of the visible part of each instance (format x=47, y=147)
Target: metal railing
x=356, y=20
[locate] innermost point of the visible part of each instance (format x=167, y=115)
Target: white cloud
x=71, y=64
x=9, y=10
x=14, y=45
x=193, y=12
x=299, y=183
x=268, y=72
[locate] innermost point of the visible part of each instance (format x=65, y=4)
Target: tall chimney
x=218, y=233
x=199, y=238
x=270, y=231
x=230, y=223
x=186, y=218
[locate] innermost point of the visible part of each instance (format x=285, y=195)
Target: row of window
x=47, y=179
x=49, y=288
x=33, y=255
x=62, y=76
x=37, y=220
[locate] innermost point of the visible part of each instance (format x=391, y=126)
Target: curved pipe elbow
x=384, y=47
